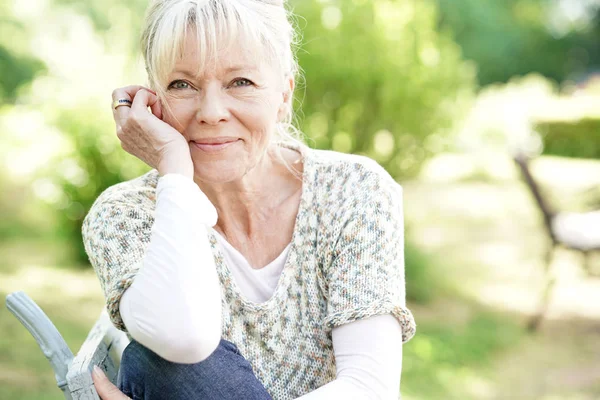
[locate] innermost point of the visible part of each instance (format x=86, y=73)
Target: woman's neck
x=246, y=205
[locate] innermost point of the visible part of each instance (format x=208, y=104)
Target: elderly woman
x=244, y=265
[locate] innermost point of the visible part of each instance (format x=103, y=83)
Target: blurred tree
x=17, y=67
x=580, y=138
x=96, y=162
x=15, y=72
x=556, y=38
x=380, y=80
x=104, y=13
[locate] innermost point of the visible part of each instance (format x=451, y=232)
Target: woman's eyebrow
x=184, y=72
x=237, y=68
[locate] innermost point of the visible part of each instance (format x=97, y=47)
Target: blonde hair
x=218, y=24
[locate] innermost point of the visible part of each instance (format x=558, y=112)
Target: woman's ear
x=286, y=106
x=289, y=85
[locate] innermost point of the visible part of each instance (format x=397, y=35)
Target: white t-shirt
x=257, y=285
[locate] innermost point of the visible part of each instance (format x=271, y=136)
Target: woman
x=244, y=265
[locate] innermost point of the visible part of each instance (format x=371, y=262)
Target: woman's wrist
x=179, y=162
x=185, y=194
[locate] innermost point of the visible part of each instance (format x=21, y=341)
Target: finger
x=120, y=114
x=145, y=99
x=155, y=106
x=106, y=390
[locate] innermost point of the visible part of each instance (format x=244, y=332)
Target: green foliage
x=420, y=274
x=516, y=37
x=16, y=71
x=104, y=14
x=22, y=215
x=96, y=163
x=571, y=139
x=17, y=66
x=380, y=80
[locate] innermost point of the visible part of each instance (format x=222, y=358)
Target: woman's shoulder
x=350, y=174
x=122, y=216
x=137, y=191
x=130, y=200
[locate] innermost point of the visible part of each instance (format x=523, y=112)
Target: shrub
x=571, y=138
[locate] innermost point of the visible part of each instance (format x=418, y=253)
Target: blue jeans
x=224, y=375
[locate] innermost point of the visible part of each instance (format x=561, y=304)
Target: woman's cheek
x=178, y=114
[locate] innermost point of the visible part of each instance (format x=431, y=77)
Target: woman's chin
x=214, y=173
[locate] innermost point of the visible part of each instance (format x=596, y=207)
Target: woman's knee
x=139, y=365
x=144, y=374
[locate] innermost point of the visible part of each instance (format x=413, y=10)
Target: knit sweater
x=346, y=262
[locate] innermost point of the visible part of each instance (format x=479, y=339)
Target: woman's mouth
x=214, y=145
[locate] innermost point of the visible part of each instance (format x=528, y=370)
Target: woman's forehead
x=222, y=58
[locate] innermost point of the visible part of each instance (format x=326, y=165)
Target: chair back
x=522, y=162
x=103, y=347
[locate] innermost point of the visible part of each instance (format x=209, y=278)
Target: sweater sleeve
x=116, y=234
x=368, y=358
x=366, y=274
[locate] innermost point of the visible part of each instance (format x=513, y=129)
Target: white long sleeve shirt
x=173, y=306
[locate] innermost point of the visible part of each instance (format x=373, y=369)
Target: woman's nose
x=211, y=108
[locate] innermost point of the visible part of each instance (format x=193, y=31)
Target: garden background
x=440, y=92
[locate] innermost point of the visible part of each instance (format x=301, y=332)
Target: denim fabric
x=224, y=375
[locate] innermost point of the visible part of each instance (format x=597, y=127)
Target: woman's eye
x=240, y=82
x=179, y=85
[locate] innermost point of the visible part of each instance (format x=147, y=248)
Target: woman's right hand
x=146, y=136
x=105, y=389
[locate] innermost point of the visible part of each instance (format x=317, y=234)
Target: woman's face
x=228, y=115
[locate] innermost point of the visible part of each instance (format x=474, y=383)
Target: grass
x=449, y=361
x=24, y=371
x=71, y=299
x=485, y=236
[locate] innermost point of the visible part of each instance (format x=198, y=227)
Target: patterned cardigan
x=346, y=262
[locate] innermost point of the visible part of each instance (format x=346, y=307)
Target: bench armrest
x=103, y=347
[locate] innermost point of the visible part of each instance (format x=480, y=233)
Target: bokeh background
x=440, y=92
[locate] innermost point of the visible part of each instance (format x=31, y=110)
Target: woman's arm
x=364, y=275
x=158, y=255
x=173, y=307
x=368, y=356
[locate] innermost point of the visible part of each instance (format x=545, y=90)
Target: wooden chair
x=576, y=231
x=103, y=347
